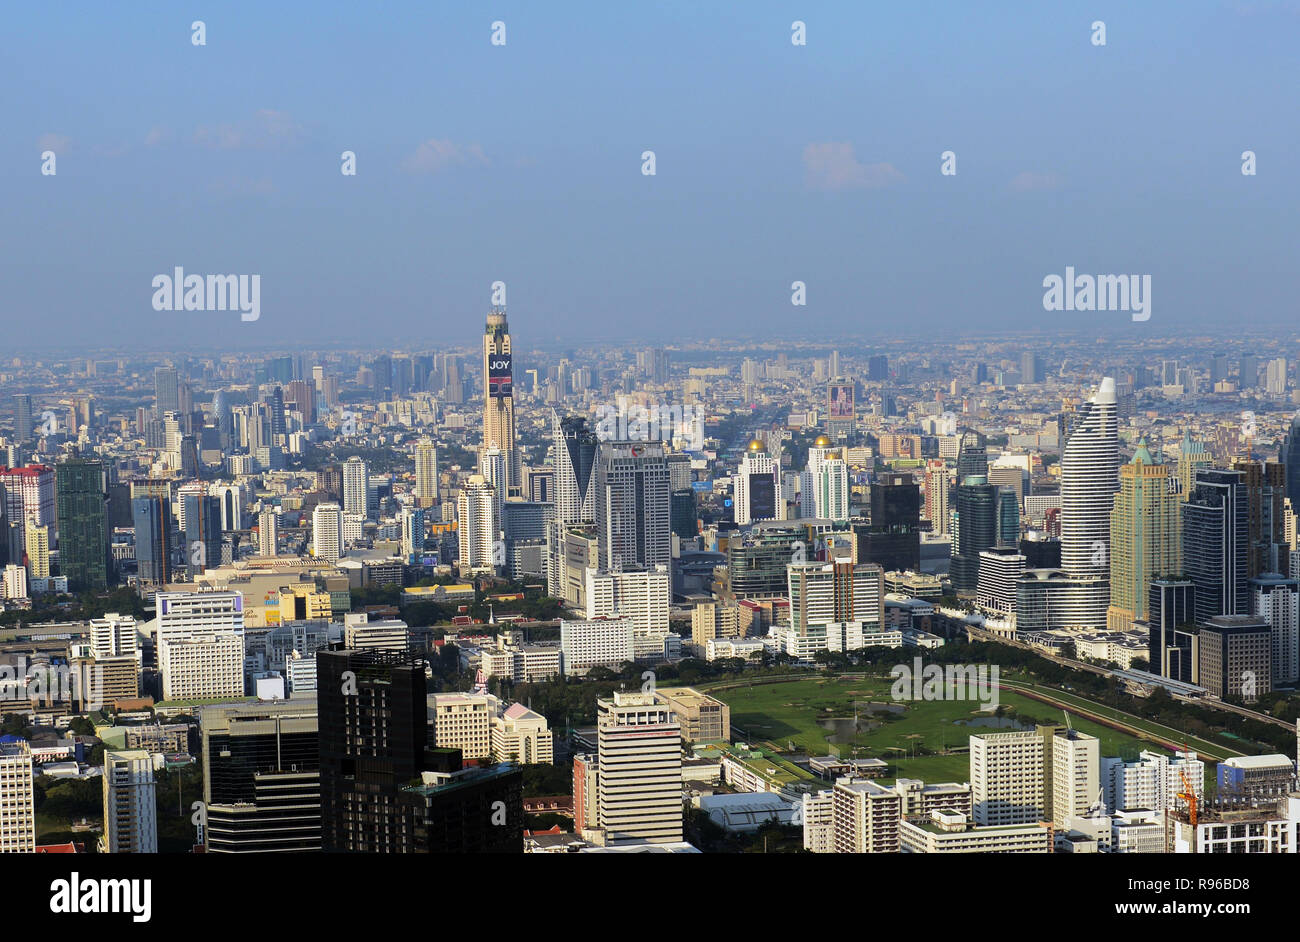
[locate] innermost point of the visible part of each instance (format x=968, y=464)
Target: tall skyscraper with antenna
x=499, y=396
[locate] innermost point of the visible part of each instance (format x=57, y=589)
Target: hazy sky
x=522, y=163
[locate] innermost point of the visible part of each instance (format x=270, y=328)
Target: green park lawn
x=789, y=713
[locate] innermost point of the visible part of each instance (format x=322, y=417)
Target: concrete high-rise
x=327, y=532
x=267, y=532
x=477, y=527
x=17, y=799
x=499, y=397
x=426, y=472
x=356, y=488
x=81, y=490
x=757, y=493
x=1216, y=537
x=639, y=770
x=1146, y=538
x=130, y=805
x=200, y=644
x=1089, y=479
x=632, y=506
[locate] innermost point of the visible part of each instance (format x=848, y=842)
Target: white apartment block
x=819, y=821
x=950, y=832
x=130, y=808
x=17, y=799
x=462, y=721
x=1152, y=782
x=1006, y=774
x=300, y=672
x=642, y=595
x=200, y=639
x=112, y=636
x=866, y=817
x=588, y=644
x=1076, y=760
x=388, y=634
x=639, y=779
x=327, y=532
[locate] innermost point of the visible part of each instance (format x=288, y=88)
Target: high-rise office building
x=200, y=643
x=757, y=492
x=1075, y=773
x=426, y=472
x=632, y=508
x=1268, y=549
x=17, y=799
x=478, y=527
x=327, y=532
x=1216, y=534
x=167, y=396
x=499, y=397
x=261, y=777
x=152, y=516
x=1235, y=657
x=202, y=533
x=1007, y=778
x=22, y=418
x=1089, y=479
x=892, y=538
x=358, y=498
x=977, y=530
x=827, y=480
x=1171, y=621
x=268, y=532
x=82, y=497
x=382, y=789
x=638, y=770
x=1090, y=467
x=130, y=805
x=832, y=592
x=1146, y=538
x=37, y=543
x=1276, y=599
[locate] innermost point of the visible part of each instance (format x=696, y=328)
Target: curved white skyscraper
x=1089, y=480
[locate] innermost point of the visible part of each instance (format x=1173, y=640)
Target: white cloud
x=434, y=155
x=832, y=165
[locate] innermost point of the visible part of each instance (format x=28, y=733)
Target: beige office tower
x=267, y=533
x=499, y=397
x=426, y=473
x=1146, y=538
x=639, y=763
x=130, y=807
x=17, y=799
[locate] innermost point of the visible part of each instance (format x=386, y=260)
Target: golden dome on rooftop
x=822, y=442
x=756, y=445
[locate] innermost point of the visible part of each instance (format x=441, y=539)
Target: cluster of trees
x=88, y=605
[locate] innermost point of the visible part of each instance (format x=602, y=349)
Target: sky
x=522, y=163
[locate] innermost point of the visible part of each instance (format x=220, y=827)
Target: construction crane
x=1188, y=794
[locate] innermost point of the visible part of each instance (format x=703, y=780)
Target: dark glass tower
x=153, y=538
x=893, y=537
x=202, y=533
x=81, y=506
x=261, y=778
x=977, y=529
x=1172, y=644
x=1216, y=536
